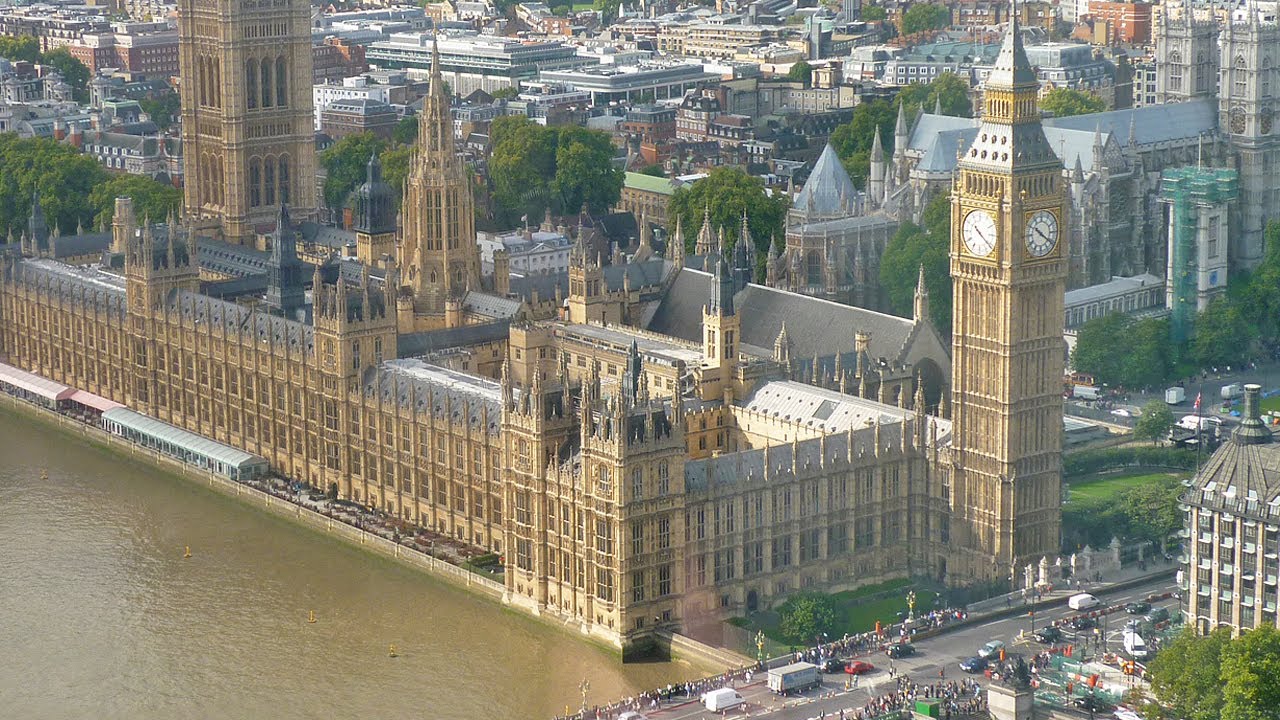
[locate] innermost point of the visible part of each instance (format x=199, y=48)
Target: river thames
x=101, y=616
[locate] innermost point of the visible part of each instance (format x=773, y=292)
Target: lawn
x=1271, y=404
x=1109, y=486
x=854, y=614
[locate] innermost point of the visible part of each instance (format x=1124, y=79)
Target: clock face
x=979, y=232
x=1042, y=233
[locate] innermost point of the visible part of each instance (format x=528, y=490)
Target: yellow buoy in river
x=44, y=474
x=187, y=552
x=312, y=617
x=392, y=651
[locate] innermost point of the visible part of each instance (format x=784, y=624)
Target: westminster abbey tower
x=247, y=137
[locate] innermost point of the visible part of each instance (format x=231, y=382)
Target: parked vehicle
x=1134, y=645
x=794, y=678
x=833, y=665
x=1086, y=392
x=1091, y=703
x=633, y=715
x=973, y=665
x=990, y=650
x=1082, y=622
x=900, y=650
x=723, y=699
x=1232, y=391
x=1083, y=601
x=1175, y=395
x=859, y=667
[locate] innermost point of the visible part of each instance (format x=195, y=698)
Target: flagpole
x=1199, y=425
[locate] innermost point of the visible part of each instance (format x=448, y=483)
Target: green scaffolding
x=1187, y=190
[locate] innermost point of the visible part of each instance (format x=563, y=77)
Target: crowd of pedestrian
x=960, y=698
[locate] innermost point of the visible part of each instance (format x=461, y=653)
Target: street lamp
x=760, y=647
x=911, y=605
x=583, y=687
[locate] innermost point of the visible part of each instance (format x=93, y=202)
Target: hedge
x=1092, y=462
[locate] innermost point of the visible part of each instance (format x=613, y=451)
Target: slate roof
x=440, y=391
x=236, y=318
x=493, y=306
x=829, y=192
x=814, y=326
x=649, y=273
x=65, y=246
x=1152, y=124
x=424, y=343
x=523, y=286
x=818, y=408
x=648, y=183
x=939, y=148
x=87, y=286
x=330, y=237
x=224, y=258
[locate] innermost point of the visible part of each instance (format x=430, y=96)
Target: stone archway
x=928, y=373
x=753, y=601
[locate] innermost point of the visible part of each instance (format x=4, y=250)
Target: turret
x=875, y=182
x=286, y=295
x=706, y=243
x=920, y=305
x=123, y=224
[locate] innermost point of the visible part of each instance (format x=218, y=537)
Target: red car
x=858, y=667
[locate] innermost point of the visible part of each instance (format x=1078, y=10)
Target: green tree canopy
x=22, y=48
x=1186, y=674
x=344, y=163
x=1251, y=676
x=506, y=93
x=912, y=247
x=63, y=176
x=1152, y=509
x=873, y=13
x=151, y=199
x=1064, y=102
x=1155, y=422
x=608, y=10
x=534, y=168
x=807, y=616
x=406, y=130
x=1223, y=335
x=395, y=167
x=654, y=170
x=853, y=140
x=73, y=71
x=925, y=16
x=802, y=72
x=1122, y=351
x=728, y=192
x=163, y=110
x=948, y=90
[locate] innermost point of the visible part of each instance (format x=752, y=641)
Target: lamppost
x=760, y=647
x=583, y=687
x=911, y=605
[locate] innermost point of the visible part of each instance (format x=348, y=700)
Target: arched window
x=251, y=82
x=282, y=89
x=269, y=181
x=1264, y=79
x=255, y=182
x=284, y=178
x=266, y=83
x=215, y=89
x=1175, y=70
x=1239, y=78
x=813, y=271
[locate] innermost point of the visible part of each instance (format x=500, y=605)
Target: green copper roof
x=648, y=183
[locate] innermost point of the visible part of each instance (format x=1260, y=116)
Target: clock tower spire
x=1008, y=271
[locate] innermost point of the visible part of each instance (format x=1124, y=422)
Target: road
x=1210, y=385
x=944, y=651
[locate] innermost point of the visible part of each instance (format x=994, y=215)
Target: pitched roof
x=424, y=343
x=829, y=192
x=1151, y=123
x=814, y=326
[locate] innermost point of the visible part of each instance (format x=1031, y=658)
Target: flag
x=1197, y=405
x=524, y=218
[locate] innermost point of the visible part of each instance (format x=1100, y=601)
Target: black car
x=1082, y=622
x=1048, y=635
x=973, y=665
x=1137, y=608
x=1089, y=702
x=833, y=665
x=900, y=650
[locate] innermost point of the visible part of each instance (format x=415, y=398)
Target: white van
x=1134, y=645
x=1083, y=601
x=722, y=699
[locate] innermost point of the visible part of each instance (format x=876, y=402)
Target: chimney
x=1252, y=430
x=76, y=137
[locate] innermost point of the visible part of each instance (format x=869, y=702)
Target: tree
x=1222, y=335
x=912, y=247
x=948, y=90
x=395, y=167
x=801, y=72
x=344, y=163
x=585, y=173
x=150, y=198
x=406, y=131
x=506, y=93
x=925, y=16
x=1251, y=676
x=17, y=49
x=853, y=140
x=1064, y=102
x=1125, y=352
x=1186, y=674
x=162, y=110
x=1155, y=422
x=654, y=170
x=1151, y=510
x=807, y=616
x=73, y=71
x=63, y=177
x=534, y=168
x=608, y=10
x=873, y=13
x=727, y=193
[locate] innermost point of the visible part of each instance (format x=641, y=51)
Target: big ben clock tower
x=1008, y=269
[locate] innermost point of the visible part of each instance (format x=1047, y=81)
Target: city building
x=1129, y=22
x=1200, y=201
x=528, y=252
x=714, y=39
x=1232, y=532
x=1140, y=296
x=152, y=54
x=344, y=117
x=649, y=444
x=247, y=134
x=648, y=80
x=646, y=196
x=390, y=87
x=471, y=62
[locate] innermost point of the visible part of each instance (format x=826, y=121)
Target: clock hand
x=1042, y=235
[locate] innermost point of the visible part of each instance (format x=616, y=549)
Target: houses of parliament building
x=658, y=442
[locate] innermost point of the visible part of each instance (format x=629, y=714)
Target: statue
x=1019, y=674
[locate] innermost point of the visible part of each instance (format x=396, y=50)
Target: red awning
x=95, y=402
